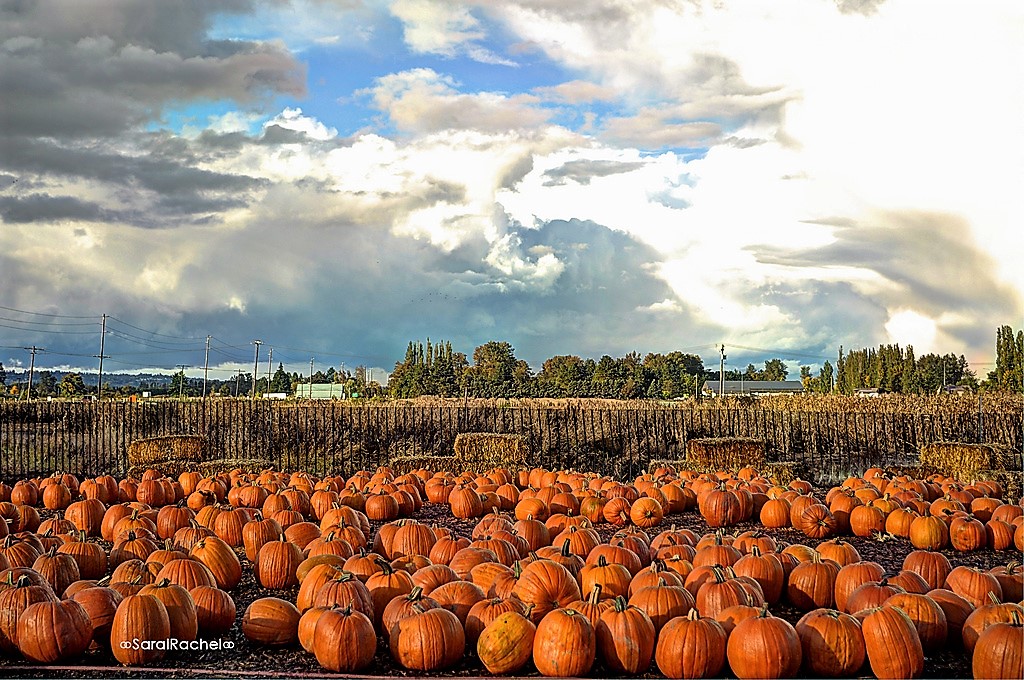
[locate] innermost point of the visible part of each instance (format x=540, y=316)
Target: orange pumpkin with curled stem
x=691, y=647
x=625, y=638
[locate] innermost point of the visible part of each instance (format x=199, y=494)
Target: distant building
x=868, y=392
x=953, y=389
x=755, y=388
x=320, y=391
x=275, y=395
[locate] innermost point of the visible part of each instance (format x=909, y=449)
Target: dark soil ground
x=248, y=660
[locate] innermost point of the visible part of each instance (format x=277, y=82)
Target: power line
x=55, y=316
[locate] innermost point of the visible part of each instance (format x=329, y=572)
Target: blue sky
x=338, y=177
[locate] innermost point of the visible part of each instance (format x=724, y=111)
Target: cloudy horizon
x=339, y=177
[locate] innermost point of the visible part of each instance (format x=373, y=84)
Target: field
x=268, y=566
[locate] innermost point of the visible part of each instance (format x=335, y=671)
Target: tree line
x=494, y=371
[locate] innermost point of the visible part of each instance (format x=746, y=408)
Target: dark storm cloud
x=80, y=80
x=46, y=208
x=582, y=171
x=929, y=258
x=86, y=69
x=167, y=171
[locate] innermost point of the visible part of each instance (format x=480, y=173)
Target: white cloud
x=444, y=28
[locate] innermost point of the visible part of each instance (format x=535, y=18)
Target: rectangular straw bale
x=153, y=450
x=957, y=459
x=485, y=450
x=726, y=453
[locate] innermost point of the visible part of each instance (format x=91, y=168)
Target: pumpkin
x=816, y=521
x=929, y=533
x=928, y=617
x=271, y=621
x=220, y=559
x=505, y=645
x=181, y=608
x=277, y=563
x=142, y=618
x=933, y=567
x=691, y=647
x=999, y=652
x=59, y=570
x=428, y=641
x=564, y=645
x=974, y=585
x=215, y=610
x=892, y=643
x=482, y=613
x=258, y=532
x=625, y=638
x=400, y=608
x=100, y=603
x=851, y=577
x=54, y=631
x=344, y=640
x=812, y=584
x=189, y=573
x=986, y=615
x=344, y=588
x=766, y=569
x=832, y=643
x=764, y=647
x=458, y=597
x=546, y=585
x=15, y=599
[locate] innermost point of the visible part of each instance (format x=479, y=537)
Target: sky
x=339, y=177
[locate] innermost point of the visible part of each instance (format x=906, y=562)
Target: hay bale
x=156, y=450
x=405, y=464
x=1011, y=481
x=167, y=469
x=726, y=453
x=782, y=472
x=484, y=450
x=957, y=459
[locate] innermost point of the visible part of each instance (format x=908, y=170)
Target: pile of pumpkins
x=532, y=581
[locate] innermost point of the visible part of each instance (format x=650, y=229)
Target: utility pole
x=206, y=365
x=310, y=395
x=181, y=383
x=721, y=375
x=32, y=368
x=255, y=366
x=238, y=379
x=270, y=363
x=103, y=336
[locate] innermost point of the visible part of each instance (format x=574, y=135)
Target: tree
x=281, y=382
x=47, y=385
x=72, y=385
x=774, y=369
x=493, y=370
x=1009, y=373
x=3, y=374
x=565, y=376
